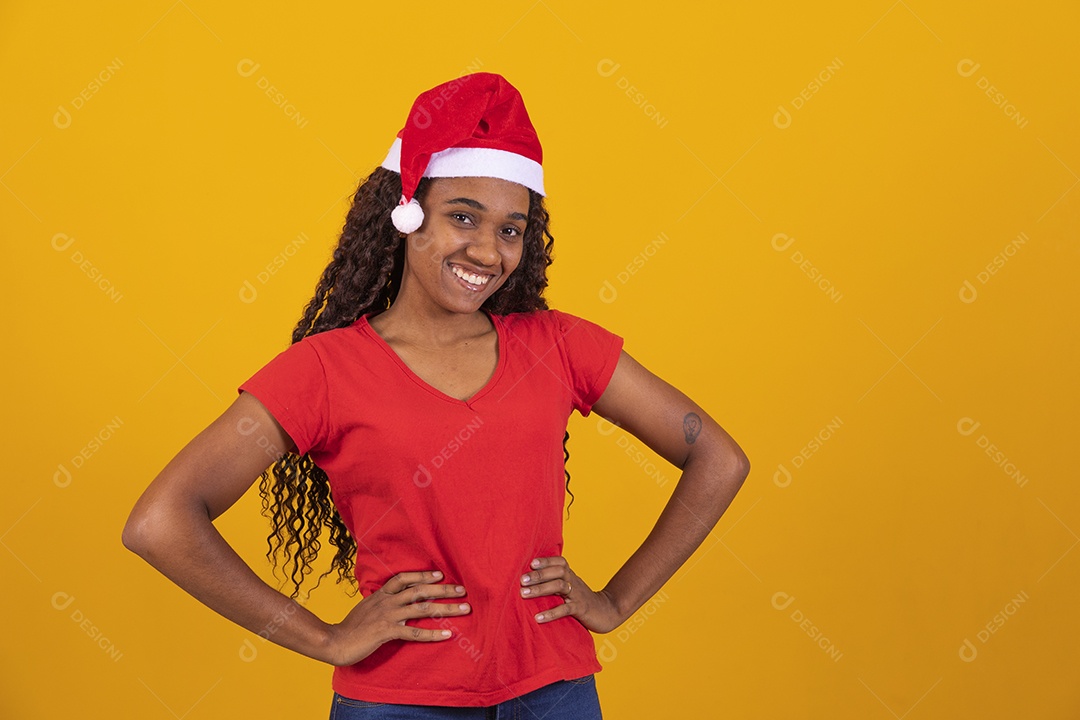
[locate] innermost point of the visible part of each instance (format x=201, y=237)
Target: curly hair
x=363, y=276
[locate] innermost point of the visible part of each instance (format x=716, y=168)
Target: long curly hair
x=364, y=276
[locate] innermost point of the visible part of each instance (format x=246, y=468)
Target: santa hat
x=474, y=126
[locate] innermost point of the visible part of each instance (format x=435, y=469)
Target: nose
x=483, y=249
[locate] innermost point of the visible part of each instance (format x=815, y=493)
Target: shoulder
x=566, y=330
x=323, y=348
x=551, y=320
x=333, y=340
x=537, y=327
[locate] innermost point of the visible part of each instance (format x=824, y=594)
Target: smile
x=472, y=281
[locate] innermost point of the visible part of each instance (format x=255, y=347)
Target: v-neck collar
x=500, y=350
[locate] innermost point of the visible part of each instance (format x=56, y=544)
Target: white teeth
x=469, y=277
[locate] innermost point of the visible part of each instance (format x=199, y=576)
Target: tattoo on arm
x=691, y=425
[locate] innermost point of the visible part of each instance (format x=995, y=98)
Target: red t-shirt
x=425, y=481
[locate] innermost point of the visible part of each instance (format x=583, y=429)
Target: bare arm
x=171, y=527
x=714, y=468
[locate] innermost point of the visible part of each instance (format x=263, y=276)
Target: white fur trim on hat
x=476, y=162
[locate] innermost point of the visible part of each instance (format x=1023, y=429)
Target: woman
x=420, y=418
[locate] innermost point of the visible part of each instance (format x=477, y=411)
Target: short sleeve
x=590, y=354
x=293, y=387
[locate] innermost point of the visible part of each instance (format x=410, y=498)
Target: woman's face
x=473, y=227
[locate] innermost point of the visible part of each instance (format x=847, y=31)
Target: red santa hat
x=474, y=126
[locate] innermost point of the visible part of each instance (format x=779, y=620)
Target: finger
x=415, y=634
x=543, y=562
x=558, y=586
x=419, y=593
x=548, y=573
x=431, y=609
x=404, y=580
x=559, y=611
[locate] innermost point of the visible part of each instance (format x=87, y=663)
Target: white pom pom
x=408, y=217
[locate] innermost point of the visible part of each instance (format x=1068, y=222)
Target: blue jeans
x=561, y=700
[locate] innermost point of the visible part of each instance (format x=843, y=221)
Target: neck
x=433, y=327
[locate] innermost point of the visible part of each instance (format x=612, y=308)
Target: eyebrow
x=479, y=206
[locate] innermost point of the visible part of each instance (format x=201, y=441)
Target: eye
x=461, y=217
x=511, y=231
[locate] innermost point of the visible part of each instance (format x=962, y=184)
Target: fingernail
x=526, y=591
x=536, y=563
x=445, y=633
x=525, y=579
x=540, y=616
x=459, y=589
x=437, y=574
x=463, y=607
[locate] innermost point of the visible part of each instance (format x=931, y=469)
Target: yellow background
x=895, y=540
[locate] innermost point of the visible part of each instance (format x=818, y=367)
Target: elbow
x=736, y=470
x=158, y=522
x=743, y=465
x=735, y=479
x=724, y=462
x=730, y=460
x=147, y=528
x=136, y=532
